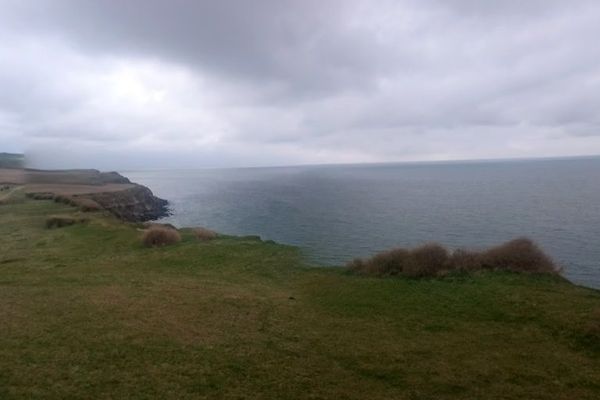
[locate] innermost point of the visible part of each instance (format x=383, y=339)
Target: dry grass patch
x=204, y=234
x=156, y=236
x=41, y=195
x=86, y=205
x=59, y=221
x=61, y=198
x=593, y=326
x=430, y=260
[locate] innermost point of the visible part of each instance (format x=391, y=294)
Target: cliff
x=110, y=190
x=134, y=204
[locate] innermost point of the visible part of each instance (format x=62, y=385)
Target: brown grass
x=593, y=326
x=518, y=255
x=41, y=196
x=85, y=205
x=204, y=234
x=61, y=198
x=160, y=236
x=59, y=221
x=430, y=260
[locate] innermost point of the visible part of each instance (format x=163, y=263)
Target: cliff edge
x=111, y=191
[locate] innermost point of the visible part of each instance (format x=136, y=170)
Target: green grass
x=87, y=312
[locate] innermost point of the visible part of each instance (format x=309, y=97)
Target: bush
x=59, y=221
x=160, y=236
x=86, y=205
x=593, y=326
x=430, y=260
x=519, y=255
x=60, y=198
x=147, y=225
x=204, y=234
x=41, y=196
x=465, y=260
x=427, y=260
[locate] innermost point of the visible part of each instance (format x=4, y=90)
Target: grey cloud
x=304, y=81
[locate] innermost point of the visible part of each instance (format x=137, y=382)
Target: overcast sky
x=158, y=84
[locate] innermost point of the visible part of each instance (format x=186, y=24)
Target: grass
x=89, y=312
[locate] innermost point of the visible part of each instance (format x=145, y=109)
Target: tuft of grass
x=59, y=221
x=41, y=196
x=204, y=234
x=86, y=205
x=431, y=260
x=160, y=236
x=593, y=326
x=64, y=199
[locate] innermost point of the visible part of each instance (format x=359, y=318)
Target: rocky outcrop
x=135, y=204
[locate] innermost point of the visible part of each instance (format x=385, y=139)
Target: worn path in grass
x=87, y=312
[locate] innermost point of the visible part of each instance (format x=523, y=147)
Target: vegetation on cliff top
x=89, y=312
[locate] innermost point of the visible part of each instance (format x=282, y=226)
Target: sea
x=337, y=212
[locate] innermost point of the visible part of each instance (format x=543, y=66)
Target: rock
x=136, y=204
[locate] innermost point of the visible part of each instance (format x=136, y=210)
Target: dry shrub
x=466, y=260
x=61, y=198
x=41, y=196
x=391, y=262
x=160, y=236
x=204, y=234
x=593, y=326
x=519, y=255
x=147, y=225
x=59, y=221
x=86, y=205
x=428, y=260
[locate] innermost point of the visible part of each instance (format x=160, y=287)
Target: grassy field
x=87, y=312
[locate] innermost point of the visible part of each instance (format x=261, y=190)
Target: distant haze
x=181, y=84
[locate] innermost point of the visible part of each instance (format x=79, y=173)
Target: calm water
x=338, y=212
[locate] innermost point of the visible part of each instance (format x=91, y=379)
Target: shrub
x=465, y=260
x=429, y=260
x=61, y=198
x=86, y=205
x=593, y=326
x=59, y=221
x=426, y=260
x=147, y=225
x=204, y=234
x=41, y=196
x=391, y=262
x=160, y=236
x=518, y=255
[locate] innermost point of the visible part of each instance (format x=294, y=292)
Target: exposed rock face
x=135, y=204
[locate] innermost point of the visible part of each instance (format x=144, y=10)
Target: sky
x=144, y=84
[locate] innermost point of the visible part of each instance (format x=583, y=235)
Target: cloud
x=276, y=82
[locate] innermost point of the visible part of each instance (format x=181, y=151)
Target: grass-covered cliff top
x=88, y=312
